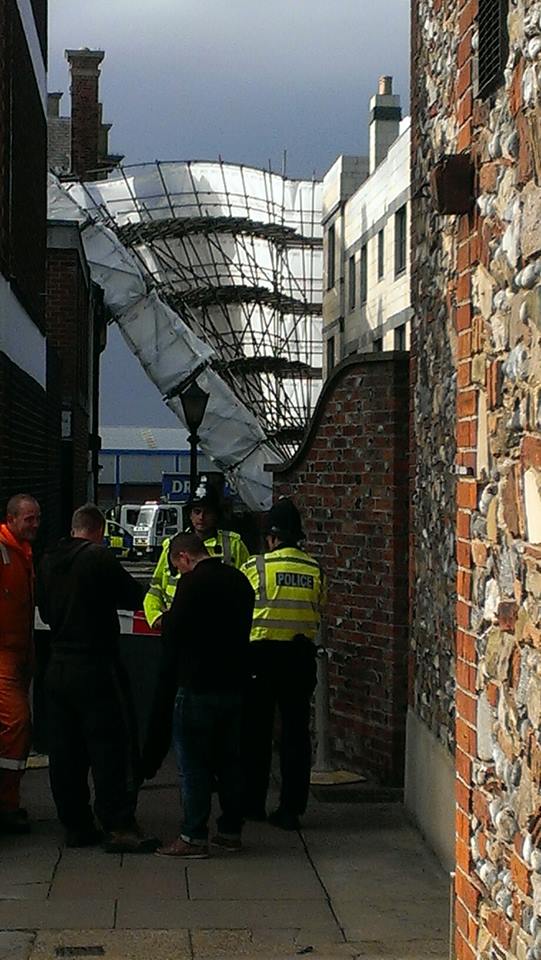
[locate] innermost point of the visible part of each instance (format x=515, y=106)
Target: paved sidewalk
x=358, y=882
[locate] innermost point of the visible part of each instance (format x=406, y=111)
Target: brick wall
x=490, y=281
x=350, y=481
x=27, y=453
x=85, y=111
x=68, y=327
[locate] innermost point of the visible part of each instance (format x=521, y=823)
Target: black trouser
x=91, y=727
x=283, y=675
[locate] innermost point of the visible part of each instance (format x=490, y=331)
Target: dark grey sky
x=247, y=79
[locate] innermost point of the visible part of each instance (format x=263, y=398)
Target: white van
x=157, y=522
x=128, y=515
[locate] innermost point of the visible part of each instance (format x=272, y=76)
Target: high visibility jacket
x=225, y=544
x=16, y=662
x=289, y=590
x=16, y=594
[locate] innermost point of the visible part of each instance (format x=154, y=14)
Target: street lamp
x=194, y=403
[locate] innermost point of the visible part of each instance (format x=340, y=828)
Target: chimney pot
x=385, y=116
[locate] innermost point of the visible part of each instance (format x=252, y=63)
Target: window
x=493, y=45
x=330, y=354
x=400, y=337
x=352, y=283
x=378, y=344
x=331, y=257
x=400, y=241
x=381, y=254
x=363, y=280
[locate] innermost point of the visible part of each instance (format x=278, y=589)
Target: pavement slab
x=228, y=914
x=56, y=915
x=358, y=882
x=113, y=945
x=15, y=946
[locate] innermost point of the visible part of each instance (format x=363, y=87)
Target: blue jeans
x=206, y=738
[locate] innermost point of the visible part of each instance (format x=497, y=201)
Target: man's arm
x=155, y=602
x=42, y=592
x=127, y=593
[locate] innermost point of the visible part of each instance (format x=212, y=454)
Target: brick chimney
x=85, y=111
x=385, y=117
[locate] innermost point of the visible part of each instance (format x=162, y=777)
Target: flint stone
x=531, y=219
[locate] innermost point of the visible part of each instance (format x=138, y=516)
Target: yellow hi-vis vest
x=159, y=597
x=289, y=594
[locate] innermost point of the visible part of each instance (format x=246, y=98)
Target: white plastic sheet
x=170, y=353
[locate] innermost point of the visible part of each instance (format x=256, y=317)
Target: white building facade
x=366, y=223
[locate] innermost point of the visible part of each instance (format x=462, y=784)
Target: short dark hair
x=88, y=518
x=188, y=543
x=14, y=503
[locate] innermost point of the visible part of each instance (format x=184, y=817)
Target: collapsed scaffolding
x=235, y=253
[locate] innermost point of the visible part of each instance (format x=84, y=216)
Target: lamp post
x=194, y=403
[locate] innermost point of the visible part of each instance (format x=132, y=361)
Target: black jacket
x=80, y=587
x=206, y=638
x=207, y=630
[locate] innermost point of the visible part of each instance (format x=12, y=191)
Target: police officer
x=204, y=517
x=289, y=588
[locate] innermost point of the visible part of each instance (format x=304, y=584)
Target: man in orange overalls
x=16, y=653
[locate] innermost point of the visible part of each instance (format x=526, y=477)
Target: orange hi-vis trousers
x=15, y=726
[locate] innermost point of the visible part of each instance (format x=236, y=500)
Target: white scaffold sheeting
x=170, y=353
x=237, y=252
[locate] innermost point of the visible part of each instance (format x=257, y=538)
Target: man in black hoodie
x=81, y=585
x=206, y=635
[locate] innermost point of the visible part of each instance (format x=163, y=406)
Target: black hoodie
x=81, y=585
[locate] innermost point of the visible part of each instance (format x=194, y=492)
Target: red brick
x=493, y=694
x=463, y=614
x=463, y=860
x=466, y=737
x=463, y=290
x=507, y=615
x=467, y=16
x=466, y=676
x=466, y=707
x=463, y=764
x=467, y=494
x=462, y=822
x=463, y=950
x=463, y=522
x=488, y=176
x=463, y=80
x=464, y=585
x=463, y=377
x=464, y=345
x=463, y=554
x=515, y=90
x=466, y=892
x=465, y=647
x=521, y=875
x=464, y=51
x=530, y=452
x=464, y=139
x=463, y=317
x=465, y=107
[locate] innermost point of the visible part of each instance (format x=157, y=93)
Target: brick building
x=76, y=317
x=476, y=151
x=79, y=144
x=351, y=477
x=27, y=411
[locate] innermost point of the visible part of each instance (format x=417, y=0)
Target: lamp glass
x=194, y=403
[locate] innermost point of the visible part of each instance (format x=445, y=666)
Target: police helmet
x=284, y=520
x=205, y=496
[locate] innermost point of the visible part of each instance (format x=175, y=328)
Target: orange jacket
x=16, y=595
